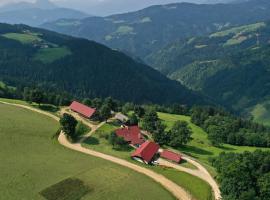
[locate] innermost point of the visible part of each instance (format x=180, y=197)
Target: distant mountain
x=41, y=4
x=146, y=31
x=36, y=57
x=231, y=66
x=34, y=14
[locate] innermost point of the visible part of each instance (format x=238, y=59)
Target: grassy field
x=24, y=38
x=35, y=166
x=50, y=55
x=195, y=186
x=199, y=189
x=200, y=147
x=241, y=29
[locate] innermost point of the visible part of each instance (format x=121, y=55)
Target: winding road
x=175, y=189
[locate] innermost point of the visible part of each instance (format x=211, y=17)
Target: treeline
x=223, y=127
x=39, y=96
x=244, y=176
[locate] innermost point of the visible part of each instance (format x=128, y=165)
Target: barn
x=131, y=134
x=169, y=155
x=82, y=109
x=146, y=152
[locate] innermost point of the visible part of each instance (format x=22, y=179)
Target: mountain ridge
x=142, y=32
x=37, y=13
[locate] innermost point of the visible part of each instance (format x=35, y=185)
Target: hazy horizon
x=107, y=7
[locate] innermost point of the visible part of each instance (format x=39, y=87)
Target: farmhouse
x=81, y=109
x=146, y=152
x=131, y=134
x=169, y=155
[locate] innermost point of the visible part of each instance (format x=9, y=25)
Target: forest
x=244, y=176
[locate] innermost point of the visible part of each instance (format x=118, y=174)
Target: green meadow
x=49, y=55
x=24, y=38
x=200, y=147
x=35, y=166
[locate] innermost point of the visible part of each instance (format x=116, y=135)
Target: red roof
x=131, y=134
x=82, y=109
x=146, y=151
x=171, y=156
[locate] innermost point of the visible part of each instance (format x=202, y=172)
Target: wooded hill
x=231, y=66
x=35, y=57
x=146, y=31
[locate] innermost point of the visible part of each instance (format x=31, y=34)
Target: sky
x=105, y=7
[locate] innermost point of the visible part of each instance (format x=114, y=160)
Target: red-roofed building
x=146, y=152
x=169, y=155
x=131, y=134
x=82, y=109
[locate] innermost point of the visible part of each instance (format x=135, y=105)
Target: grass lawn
x=24, y=38
x=195, y=186
x=34, y=166
x=200, y=147
x=50, y=55
x=97, y=142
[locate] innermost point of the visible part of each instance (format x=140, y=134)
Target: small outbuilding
x=172, y=156
x=131, y=134
x=146, y=152
x=121, y=117
x=82, y=109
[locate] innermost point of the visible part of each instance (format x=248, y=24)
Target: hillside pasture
x=200, y=147
x=35, y=166
x=239, y=30
x=49, y=55
x=24, y=38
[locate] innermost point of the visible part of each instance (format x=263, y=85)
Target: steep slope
x=36, y=13
x=182, y=52
x=147, y=30
x=231, y=66
x=32, y=56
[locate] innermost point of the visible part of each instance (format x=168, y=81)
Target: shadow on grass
x=124, y=148
x=92, y=141
x=68, y=189
x=195, y=150
x=226, y=148
x=114, y=123
x=48, y=108
x=183, y=162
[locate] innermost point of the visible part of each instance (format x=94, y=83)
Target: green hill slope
x=231, y=66
x=35, y=57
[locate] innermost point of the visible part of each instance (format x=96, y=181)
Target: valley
x=167, y=102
